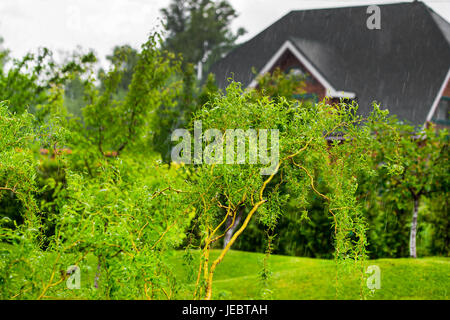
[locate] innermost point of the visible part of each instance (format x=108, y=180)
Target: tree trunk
x=413, y=234
x=97, y=274
x=230, y=232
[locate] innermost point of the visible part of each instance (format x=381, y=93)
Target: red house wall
x=288, y=60
x=447, y=90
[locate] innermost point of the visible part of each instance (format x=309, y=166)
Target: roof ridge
x=439, y=24
x=357, y=6
x=292, y=12
x=432, y=11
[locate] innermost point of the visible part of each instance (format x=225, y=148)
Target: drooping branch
x=237, y=234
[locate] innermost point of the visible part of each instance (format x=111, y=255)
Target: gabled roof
x=402, y=66
x=443, y=25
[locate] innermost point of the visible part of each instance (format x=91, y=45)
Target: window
x=442, y=113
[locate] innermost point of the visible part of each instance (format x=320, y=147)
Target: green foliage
x=82, y=182
x=27, y=82
x=128, y=58
x=439, y=222
x=4, y=55
x=200, y=29
x=79, y=202
x=278, y=84
x=122, y=218
x=188, y=99
x=422, y=165
x=114, y=124
x=17, y=162
x=126, y=215
x=305, y=153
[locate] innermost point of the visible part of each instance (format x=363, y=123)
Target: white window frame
x=438, y=97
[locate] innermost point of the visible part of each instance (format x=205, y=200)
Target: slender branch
x=163, y=234
x=237, y=234
x=302, y=149
x=8, y=189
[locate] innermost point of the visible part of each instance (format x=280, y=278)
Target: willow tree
x=327, y=141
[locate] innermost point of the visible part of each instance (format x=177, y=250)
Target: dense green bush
x=73, y=199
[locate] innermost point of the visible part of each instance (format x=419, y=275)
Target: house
x=404, y=65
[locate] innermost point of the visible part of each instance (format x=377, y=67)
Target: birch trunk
x=230, y=232
x=413, y=234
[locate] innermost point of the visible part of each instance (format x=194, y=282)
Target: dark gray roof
x=402, y=66
x=443, y=25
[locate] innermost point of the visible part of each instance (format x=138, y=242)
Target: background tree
x=128, y=58
x=438, y=219
x=424, y=169
x=4, y=54
x=200, y=30
x=178, y=113
x=28, y=81
x=115, y=124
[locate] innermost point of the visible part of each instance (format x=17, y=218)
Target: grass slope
x=237, y=277
x=295, y=278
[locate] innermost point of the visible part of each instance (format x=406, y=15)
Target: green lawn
x=293, y=278
x=305, y=278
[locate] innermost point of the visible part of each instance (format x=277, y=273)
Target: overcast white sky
x=63, y=24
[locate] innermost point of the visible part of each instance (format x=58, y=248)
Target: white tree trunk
x=413, y=234
x=230, y=232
